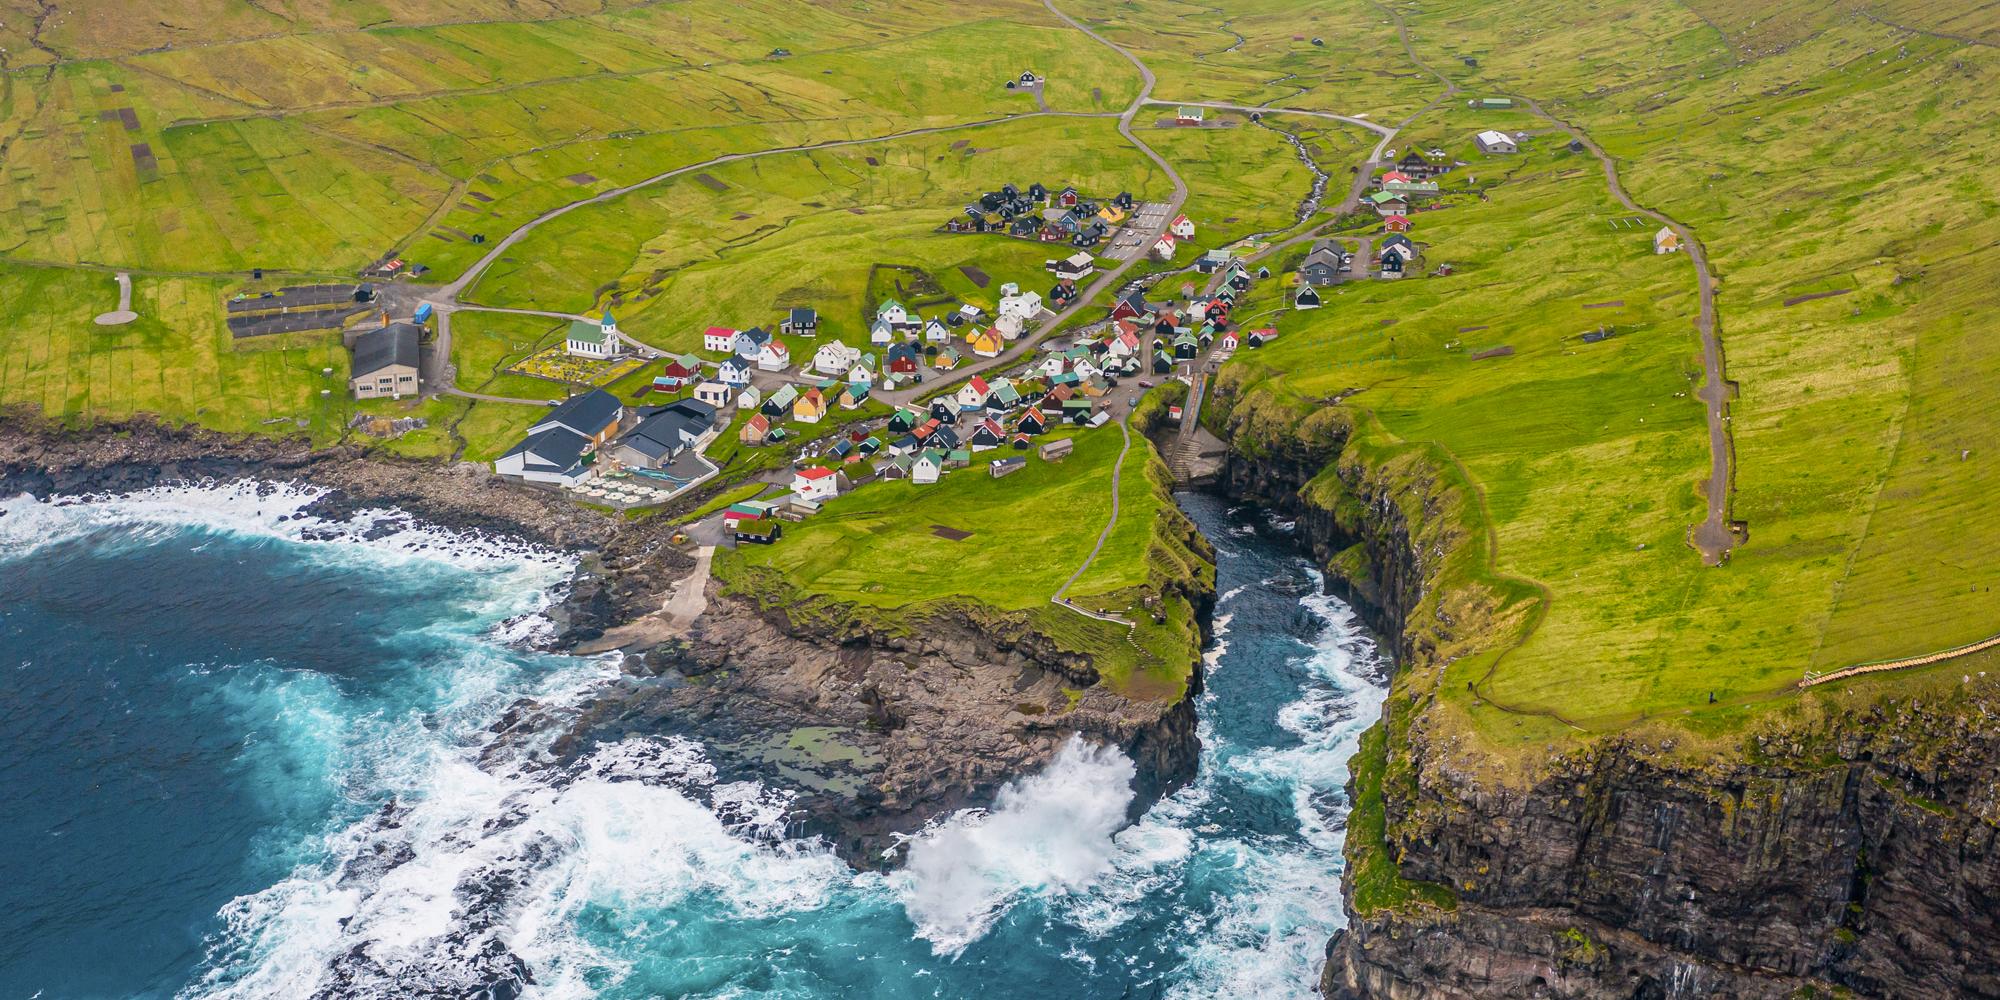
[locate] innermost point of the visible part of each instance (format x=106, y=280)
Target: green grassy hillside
x=1812, y=151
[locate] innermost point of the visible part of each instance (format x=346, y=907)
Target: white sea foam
x=1267, y=937
x=255, y=509
x=1047, y=834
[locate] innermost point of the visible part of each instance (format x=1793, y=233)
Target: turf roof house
x=665, y=433
x=596, y=341
x=557, y=448
x=386, y=362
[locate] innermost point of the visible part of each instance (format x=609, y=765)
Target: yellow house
x=809, y=407
x=987, y=343
x=1112, y=214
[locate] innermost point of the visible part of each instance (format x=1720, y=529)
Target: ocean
x=244, y=753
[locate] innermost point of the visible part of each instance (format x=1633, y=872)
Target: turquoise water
x=244, y=760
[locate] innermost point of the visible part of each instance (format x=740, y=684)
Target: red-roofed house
x=973, y=393
x=1396, y=223
x=1182, y=226
x=718, y=338
x=816, y=483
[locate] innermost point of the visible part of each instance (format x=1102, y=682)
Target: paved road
x=123, y=314
x=446, y=299
x=1105, y=279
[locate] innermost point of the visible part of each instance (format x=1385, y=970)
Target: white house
x=1182, y=226
x=749, y=398
x=718, y=338
x=775, y=357
x=936, y=332
x=972, y=395
x=713, y=393
x=834, y=358
x=1026, y=305
x=926, y=469
x=892, y=313
x=734, y=372
x=1075, y=267
x=1666, y=240
x=816, y=484
x=1491, y=141
x=1010, y=325
x=1164, y=249
x=881, y=333
x=861, y=374
x=593, y=340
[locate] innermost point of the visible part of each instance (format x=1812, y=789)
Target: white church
x=597, y=341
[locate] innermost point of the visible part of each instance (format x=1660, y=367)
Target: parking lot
x=1139, y=232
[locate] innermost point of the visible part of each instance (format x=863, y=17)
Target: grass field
x=804, y=229
x=1261, y=52
x=877, y=547
x=1863, y=452
x=316, y=150
x=176, y=360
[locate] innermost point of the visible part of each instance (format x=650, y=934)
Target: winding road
x=1716, y=534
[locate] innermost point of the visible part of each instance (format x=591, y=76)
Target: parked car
x=1145, y=383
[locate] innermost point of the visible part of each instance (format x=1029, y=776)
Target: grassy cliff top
x=1840, y=151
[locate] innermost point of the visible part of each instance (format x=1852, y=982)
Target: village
x=920, y=397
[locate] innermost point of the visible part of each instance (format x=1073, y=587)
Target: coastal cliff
x=876, y=728
x=1842, y=845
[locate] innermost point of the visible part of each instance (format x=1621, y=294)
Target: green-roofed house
x=597, y=341
x=1389, y=203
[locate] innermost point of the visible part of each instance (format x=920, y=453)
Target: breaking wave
x=455, y=849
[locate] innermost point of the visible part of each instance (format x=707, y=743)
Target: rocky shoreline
x=875, y=734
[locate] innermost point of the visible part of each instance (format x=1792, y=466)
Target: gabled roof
x=719, y=331
x=585, y=332
x=815, y=473
x=803, y=314
x=556, y=449
x=588, y=414
x=395, y=344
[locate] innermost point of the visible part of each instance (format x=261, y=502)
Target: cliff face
x=1845, y=849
